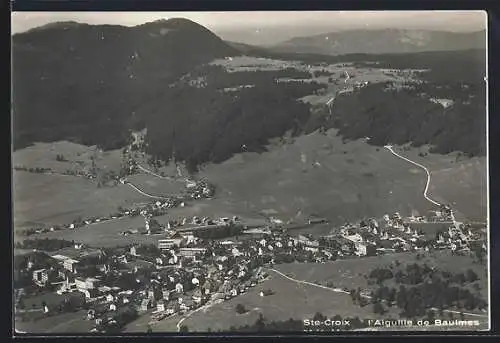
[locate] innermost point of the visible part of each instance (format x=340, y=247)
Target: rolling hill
x=89, y=83
x=94, y=84
x=383, y=41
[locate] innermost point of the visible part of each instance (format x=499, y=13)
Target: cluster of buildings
x=185, y=271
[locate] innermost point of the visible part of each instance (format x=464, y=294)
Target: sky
x=302, y=22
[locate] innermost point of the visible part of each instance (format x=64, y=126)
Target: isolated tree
x=430, y=316
x=471, y=276
x=319, y=316
x=260, y=323
x=240, y=309
x=352, y=293
x=378, y=308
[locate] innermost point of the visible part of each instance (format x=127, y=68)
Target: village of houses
x=188, y=268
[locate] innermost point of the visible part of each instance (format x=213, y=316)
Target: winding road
x=389, y=147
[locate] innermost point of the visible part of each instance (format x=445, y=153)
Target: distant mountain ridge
x=383, y=41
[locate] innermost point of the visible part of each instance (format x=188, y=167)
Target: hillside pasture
x=350, y=273
x=455, y=179
x=77, y=157
x=322, y=175
x=69, y=323
x=156, y=186
x=319, y=174
x=44, y=200
x=106, y=234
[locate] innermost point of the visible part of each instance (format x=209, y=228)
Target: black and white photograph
x=305, y=172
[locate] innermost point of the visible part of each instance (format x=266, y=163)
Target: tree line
x=214, y=125
x=47, y=244
x=408, y=116
x=422, y=288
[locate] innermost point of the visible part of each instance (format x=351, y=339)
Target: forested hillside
x=85, y=83
x=95, y=84
x=408, y=115
x=211, y=122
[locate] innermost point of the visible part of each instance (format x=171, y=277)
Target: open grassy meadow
x=70, y=323
x=76, y=157
x=156, y=186
x=350, y=273
x=104, y=234
x=309, y=175
x=318, y=174
x=457, y=180
x=333, y=74
x=44, y=200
